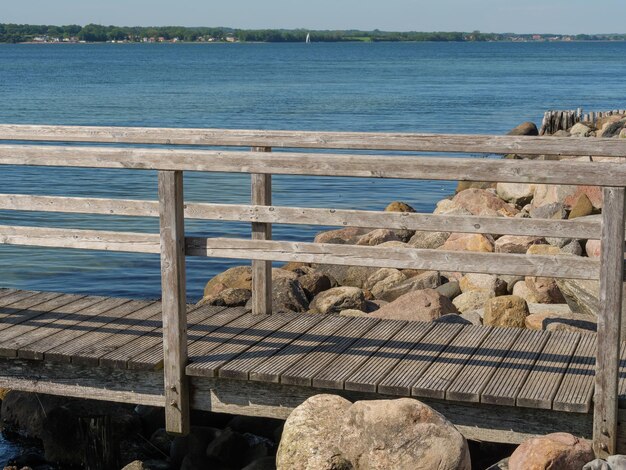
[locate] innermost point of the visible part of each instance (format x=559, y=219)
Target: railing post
x=173, y=285
x=261, y=270
x=605, y=416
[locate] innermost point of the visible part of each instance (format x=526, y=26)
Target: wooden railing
x=172, y=244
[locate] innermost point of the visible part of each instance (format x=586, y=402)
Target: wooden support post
x=609, y=322
x=173, y=284
x=261, y=270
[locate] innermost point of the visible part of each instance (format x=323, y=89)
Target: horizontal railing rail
x=173, y=245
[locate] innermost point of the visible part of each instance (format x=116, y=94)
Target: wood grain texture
x=174, y=301
x=609, y=323
x=576, y=390
x=267, y=214
x=322, y=140
x=571, y=267
x=320, y=164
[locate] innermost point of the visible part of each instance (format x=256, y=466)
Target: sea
x=401, y=87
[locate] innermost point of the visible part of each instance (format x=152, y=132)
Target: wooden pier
x=495, y=384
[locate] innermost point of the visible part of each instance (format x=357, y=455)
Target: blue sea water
x=414, y=87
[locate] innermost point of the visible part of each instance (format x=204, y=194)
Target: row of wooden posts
x=554, y=121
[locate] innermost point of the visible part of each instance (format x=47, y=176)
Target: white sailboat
x=308, y=38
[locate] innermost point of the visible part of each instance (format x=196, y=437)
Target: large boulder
x=483, y=202
x=544, y=289
x=288, y=296
x=315, y=282
x=450, y=207
x=581, y=295
x=469, y=242
x=580, y=130
x=525, y=128
x=483, y=282
x=353, y=276
x=311, y=434
x=519, y=194
x=557, y=320
x=472, y=300
x=342, y=236
x=402, y=434
x=425, y=280
x=378, y=236
x=516, y=243
x=428, y=240
x=507, y=311
x=228, y=298
x=582, y=207
x=554, y=210
x=398, y=206
x=421, y=305
x=383, y=279
x=337, y=299
x=558, y=451
x=239, y=277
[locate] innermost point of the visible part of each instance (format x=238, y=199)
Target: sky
x=527, y=16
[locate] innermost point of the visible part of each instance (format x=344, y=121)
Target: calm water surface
x=422, y=87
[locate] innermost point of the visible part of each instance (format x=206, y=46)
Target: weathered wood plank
x=475, y=375
x=261, y=191
x=4, y=292
x=312, y=139
x=576, y=390
x=401, y=258
x=240, y=366
x=174, y=301
x=369, y=375
x=303, y=371
x=324, y=332
x=320, y=164
x=609, y=323
x=584, y=229
x=511, y=374
x=442, y=372
x=335, y=374
x=547, y=374
x=400, y=380
x=206, y=359
x=34, y=327
x=21, y=308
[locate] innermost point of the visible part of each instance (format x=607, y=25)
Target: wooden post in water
x=605, y=417
x=173, y=285
x=261, y=270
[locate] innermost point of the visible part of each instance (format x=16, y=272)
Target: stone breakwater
x=482, y=299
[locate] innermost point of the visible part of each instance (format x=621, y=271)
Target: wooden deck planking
x=271, y=369
x=545, y=378
x=576, y=390
x=336, y=373
x=206, y=358
x=240, y=366
x=475, y=375
x=400, y=380
x=150, y=335
x=303, y=371
x=152, y=358
x=6, y=291
x=64, y=329
x=15, y=296
x=442, y=372
x=367, y=377
x=511, y=374
x=36, y=328
x=21, y=308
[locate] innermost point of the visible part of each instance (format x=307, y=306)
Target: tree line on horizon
x=16, y=33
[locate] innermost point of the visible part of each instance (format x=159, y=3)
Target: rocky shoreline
x=328, y=432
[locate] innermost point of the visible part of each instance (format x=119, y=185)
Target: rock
x=337, y=299
x=475, y=317
x=551, y=193
x=482, y=202
x=572, y=248
x=425, y=280
x=593, y=248
x=511, y=280
x=622, y=134
x=400, y=434
x=506, y=310
x=383, y=279
x=552, y=321
x=264, y=463
x=161, y=440
x=314, y=283
x=597, y=464
x=555, y=210
x=516, y=244
x=192, y=447
x=136, y=465
x=353, y=276
x=450, y=289
x=558, y=451
x=311, y=434
x=463, y=185
x=239, y=277
x=545, y=290
x=483, y=282
x=228, y=298
x=521, y=290
x=288, y=296
x=421, y=305
x=501, y=465
x=428, y=240
x=580, y=130
x=297, y=267
x=394, y=244
x=397, y=206
x=452, y=318
x=353, y=313
x=469, y=242
x=230, y=448
x=519, y=194
x=525, y=128
x=343, y=236
x=264, y=427
x=580, y=294
x=448, y=207
x=544, y=250
x=581, y=207
x=471, y=300
x=617, y=462
x=378, y=236
x=612, y=129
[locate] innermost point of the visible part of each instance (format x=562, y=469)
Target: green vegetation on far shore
x=17, y=33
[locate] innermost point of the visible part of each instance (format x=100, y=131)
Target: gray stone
x=475, y=317
x=597, y=464
x=555, y=210
x=452, y=318
x=581, y=295
x=315, y=282
x=353, y=276
x=501, y=465
x=428, y=240
x=525, y=128
x=419, y=305
x=617, y=462
x=472, y=300
x=450, y=289
x=337, y=299
x=426, y=280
